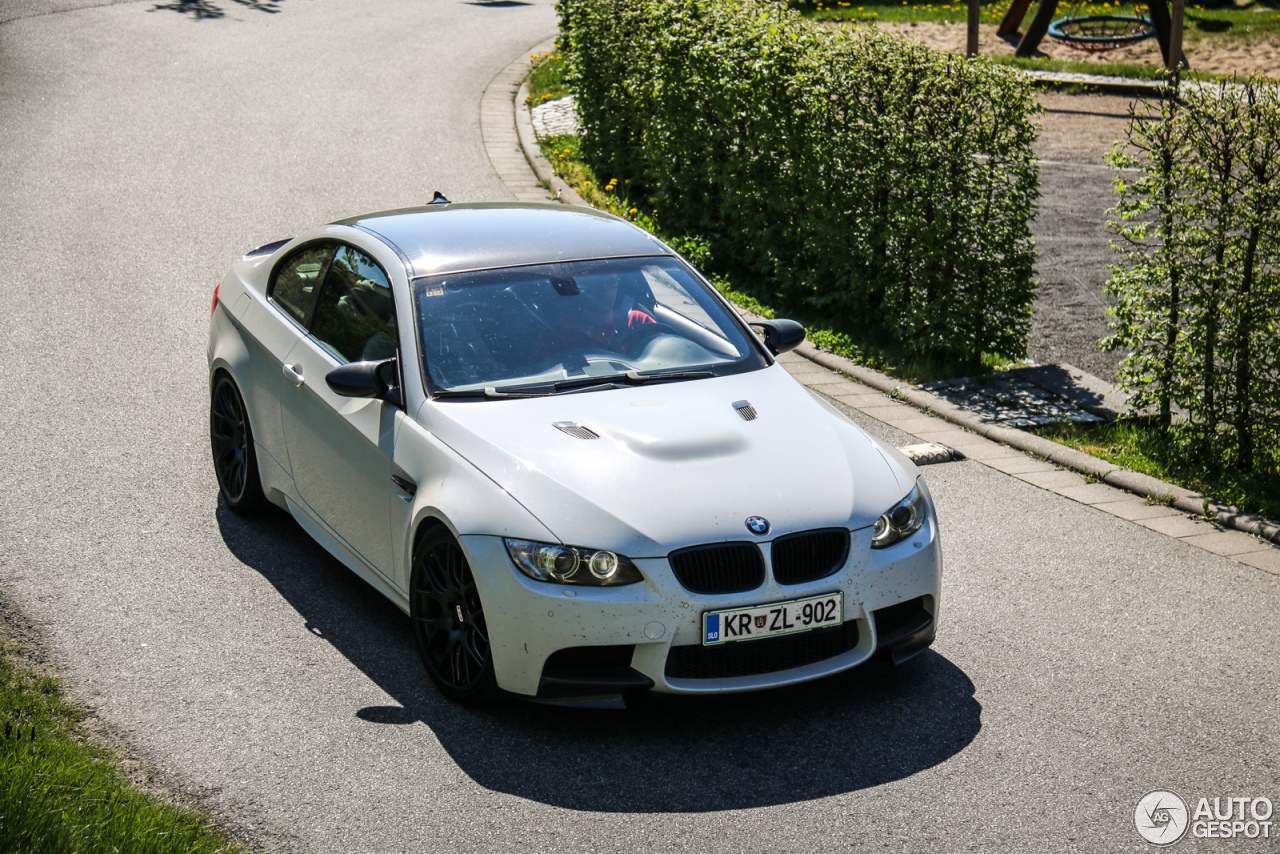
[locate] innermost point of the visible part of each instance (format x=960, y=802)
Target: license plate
x=768, y=621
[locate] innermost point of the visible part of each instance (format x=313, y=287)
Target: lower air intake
x=770, y=655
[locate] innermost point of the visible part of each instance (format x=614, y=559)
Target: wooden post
x=1039, y=26
x=1174, y=59
x=971, y=48
x=1013, y=18
x=1158, y=11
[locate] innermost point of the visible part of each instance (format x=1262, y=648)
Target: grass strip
x=1143, y=446
x=61, y=792
x=546, y=78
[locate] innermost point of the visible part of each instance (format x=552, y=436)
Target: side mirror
x=780, y=336
x=366, y=379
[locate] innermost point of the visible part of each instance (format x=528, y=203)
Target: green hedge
x=1199, y=295
x=873, y=181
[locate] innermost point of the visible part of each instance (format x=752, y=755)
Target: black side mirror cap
x=364, y=379
x=780, y=336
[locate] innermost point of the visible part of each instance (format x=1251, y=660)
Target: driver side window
x=355, y=316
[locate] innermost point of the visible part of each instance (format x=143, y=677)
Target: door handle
x=294, y=373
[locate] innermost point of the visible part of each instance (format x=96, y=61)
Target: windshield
x=524, y=327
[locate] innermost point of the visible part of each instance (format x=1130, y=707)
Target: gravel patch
x=555, y=118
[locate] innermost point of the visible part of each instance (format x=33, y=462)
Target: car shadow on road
x=871, y=726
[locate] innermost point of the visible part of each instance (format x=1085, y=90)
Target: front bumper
x=653, y=630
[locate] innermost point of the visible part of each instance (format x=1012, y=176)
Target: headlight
x=901, y=520
x=571, y=565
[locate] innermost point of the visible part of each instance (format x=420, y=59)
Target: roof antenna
x=439, y=199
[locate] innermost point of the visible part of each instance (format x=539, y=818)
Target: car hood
x=675, y=464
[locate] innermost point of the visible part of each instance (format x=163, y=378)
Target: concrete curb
x=533, y=153
x=511, y=145
x=1177, y=497
x=500, y=135
x=1114, y=85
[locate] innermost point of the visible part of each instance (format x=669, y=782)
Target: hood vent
x=576, y=430
x=745, y=410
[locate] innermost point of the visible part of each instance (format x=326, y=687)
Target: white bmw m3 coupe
x=546, y=438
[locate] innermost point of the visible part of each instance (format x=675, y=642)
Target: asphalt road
x=1082, y=662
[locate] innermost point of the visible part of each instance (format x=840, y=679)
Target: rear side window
x=297, y=281
x=355, y=317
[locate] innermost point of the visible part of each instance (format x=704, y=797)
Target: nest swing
x=1101, y=32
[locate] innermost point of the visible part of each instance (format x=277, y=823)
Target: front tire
x=235, y=463
x=448, y=621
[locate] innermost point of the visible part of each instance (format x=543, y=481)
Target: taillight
x=214, y=307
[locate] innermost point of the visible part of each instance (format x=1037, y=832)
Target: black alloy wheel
x=448, y=621
x=234, y=462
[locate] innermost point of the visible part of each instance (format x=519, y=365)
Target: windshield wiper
x=630, y=378
x=492, y=393
x=487, y=393
x=573, y=386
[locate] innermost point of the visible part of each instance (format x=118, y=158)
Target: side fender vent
x=745, y=410
x=576, y=430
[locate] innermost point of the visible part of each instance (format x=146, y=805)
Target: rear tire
x=448, y=621
x=235, y=461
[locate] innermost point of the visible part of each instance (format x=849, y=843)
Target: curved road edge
x=508, y=136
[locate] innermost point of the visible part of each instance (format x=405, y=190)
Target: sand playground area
x=1215, y=56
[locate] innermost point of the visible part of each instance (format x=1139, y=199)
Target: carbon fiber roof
x=453, y=237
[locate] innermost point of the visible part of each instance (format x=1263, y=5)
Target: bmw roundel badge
x=758, y=525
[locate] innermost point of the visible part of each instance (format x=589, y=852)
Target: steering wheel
x=632, y=342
